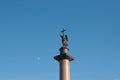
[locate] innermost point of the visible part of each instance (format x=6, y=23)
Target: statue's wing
x=66, y=37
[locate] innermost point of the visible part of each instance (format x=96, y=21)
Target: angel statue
x=64, y=38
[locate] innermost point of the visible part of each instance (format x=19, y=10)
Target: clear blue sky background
x=29, y=38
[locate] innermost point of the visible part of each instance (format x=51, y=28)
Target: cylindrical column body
x=64, y=69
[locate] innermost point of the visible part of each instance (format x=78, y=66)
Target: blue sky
x=29, y=38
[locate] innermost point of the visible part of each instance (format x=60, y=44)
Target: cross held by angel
x=64, y=38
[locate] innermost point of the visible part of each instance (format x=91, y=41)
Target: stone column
x=64, y=60
x=64, y=69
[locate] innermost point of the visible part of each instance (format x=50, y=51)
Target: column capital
x=64, y=56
